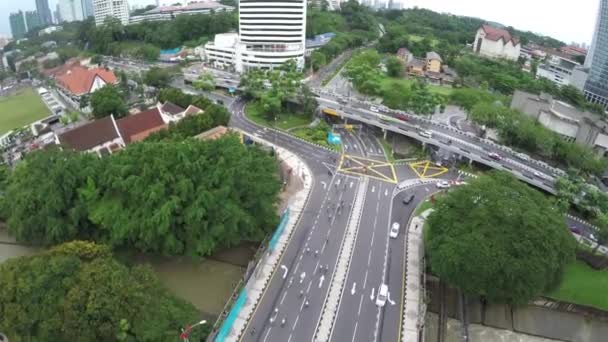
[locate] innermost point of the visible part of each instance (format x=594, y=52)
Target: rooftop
x=433, y=56
x=89, y=135
x=194, y=6
x=172, y=108
x=138, y=126
x=78, y=80
x=495, y=34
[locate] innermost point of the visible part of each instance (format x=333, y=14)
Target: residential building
x=44, y=12
x=433, y=62
x=171, y=12
x=111, y=8
x=71, y=10
x=596, y=87
x=496, y=43
x=137, y=127
x=318, y=42
x=18, y=26
x=32, y=20
x=557, y=69
x=87, y=8
x=270, y=34
x=405, y=55
x=416, y=66
x=572, y=124
x=100, y=136
x=573, y=51
x=78, y=81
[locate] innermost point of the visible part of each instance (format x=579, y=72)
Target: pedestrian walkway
x=413, y=309
x=332, y=301
x=256, y=285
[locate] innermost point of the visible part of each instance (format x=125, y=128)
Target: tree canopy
x=78, y=292
x=106, y=101
x=499, y=239
x=172, y=196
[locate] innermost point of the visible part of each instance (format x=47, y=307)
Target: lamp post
x=188, y=329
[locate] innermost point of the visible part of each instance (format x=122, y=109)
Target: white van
x=382, y=295
x=426, y=134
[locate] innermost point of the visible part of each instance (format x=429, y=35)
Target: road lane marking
x=289, y=339
x=308, y=288
x=282, y=299
x=321, y=281
x=360, y=304
x=354, y=289
x=372, y=295
x=296, y=322
x=365, y=280
x=315, y=271
x=355, y=331
x=267, y=333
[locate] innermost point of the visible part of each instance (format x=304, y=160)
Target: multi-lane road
x=295, y=299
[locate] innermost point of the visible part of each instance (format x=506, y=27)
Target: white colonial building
x=496, y=43
x=270, y=33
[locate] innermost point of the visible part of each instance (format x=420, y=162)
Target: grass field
x=583, y=285
x=21, y=109
x=284, y=121
x=388, y=82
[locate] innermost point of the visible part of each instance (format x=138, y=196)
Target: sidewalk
x=413, y=311
x=263, y=272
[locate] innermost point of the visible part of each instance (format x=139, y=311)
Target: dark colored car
x=575, y=230
x=408, y=199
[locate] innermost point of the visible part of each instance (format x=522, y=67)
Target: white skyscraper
x=111, y=8
x=71, y=10
x=270, y=33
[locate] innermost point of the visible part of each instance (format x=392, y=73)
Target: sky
x=559, y=19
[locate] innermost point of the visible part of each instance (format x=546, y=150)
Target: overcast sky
x=565, y=20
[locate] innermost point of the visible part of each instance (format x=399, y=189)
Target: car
x=426, y=134
x=575, y=230
x=443, y=185
x=538, y=174
x=494, y=156
x=394, y=230
x=402, y=117
x=342, y=101
x=592, y=237
x=382, y=295
x=374, y=109
x=523, y=157
x=407, y=200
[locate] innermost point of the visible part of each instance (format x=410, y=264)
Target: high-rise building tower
x=87, y=8
x=32, y=20
x=18, y=27
x=270, y=33
x=111, y=8
x=596, y=88
x=71, y=10
x=44, y=12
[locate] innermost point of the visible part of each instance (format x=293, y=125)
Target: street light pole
x=186, y=332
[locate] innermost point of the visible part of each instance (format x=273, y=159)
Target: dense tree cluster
x=172, y=197
x=517, y=129
x=184, y=29
x=78, y=292
x=499, y=239
x=354, y=25
x=365, y=73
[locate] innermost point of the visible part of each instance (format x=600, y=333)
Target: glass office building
x=596, y=88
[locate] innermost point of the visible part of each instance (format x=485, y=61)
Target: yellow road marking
x=427, y=166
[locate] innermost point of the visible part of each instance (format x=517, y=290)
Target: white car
x=394, y=230
x=537, y=174
x=382, y=295
x=443, y=185
x=426, y=134
x=373, y=109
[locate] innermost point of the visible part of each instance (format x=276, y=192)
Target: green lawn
x=317, y=135
x=388, y=150
x=422, y=207
x=583, y=285
x=388, y=83
x=21, y=109
x=284, y=121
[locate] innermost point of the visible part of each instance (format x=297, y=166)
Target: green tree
x=45, y=206
x=188, y=198
x=79, y=292
x=394, y=66
x=205, y=82
x=176, y=96
x=106, y=101
x=158, y=77
x=499, y=239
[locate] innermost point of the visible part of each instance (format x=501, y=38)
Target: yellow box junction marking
x=426, y=169
x=364, y=166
